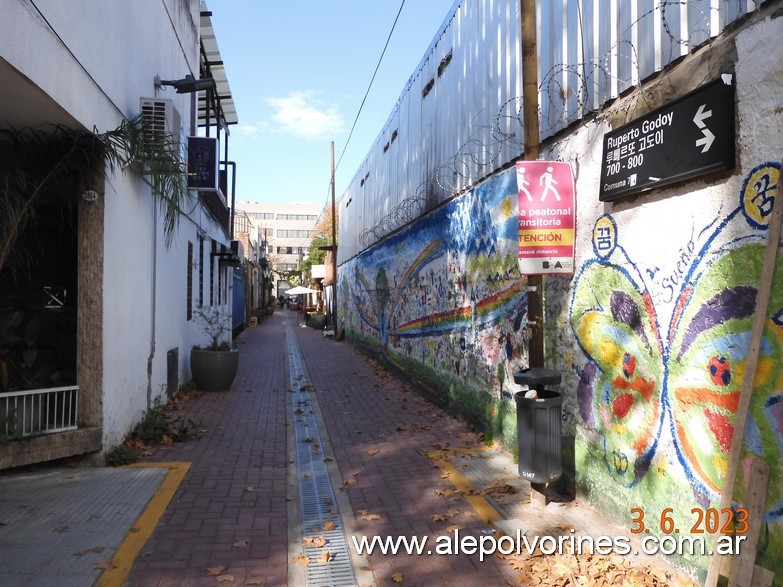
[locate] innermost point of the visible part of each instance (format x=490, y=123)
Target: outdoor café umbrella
x=300, y=289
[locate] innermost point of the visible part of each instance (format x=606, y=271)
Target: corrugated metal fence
x=459, y=117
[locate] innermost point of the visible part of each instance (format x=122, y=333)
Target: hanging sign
x=547, y=217
x=203, y=158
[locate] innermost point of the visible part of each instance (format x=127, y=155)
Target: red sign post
x=547, y=217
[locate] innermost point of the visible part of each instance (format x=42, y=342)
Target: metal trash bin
x=539, y=426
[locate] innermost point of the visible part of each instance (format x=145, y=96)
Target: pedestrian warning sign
x=547, y=217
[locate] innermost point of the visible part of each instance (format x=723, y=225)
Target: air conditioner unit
x=162, y=124
x=238, y=249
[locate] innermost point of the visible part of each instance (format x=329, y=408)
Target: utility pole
x=535, y=297
x=334, y=253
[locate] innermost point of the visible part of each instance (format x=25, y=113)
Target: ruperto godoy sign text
x=691, y=136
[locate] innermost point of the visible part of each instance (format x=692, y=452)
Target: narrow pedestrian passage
x=328, y=563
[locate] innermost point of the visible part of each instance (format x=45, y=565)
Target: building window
x=189, y=288
x=212, y=274
x=297, y=217
x=200, y=271
x=282, y=233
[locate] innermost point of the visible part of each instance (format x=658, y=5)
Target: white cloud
x=302, y=114
x=249, y=130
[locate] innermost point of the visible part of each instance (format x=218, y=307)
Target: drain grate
x=322, y=525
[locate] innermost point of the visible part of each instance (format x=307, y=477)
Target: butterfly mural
x=685, y=378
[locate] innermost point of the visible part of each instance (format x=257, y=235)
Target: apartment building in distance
x=286, y=229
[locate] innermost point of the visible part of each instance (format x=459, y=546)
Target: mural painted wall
x=651, y=332
x=661, y=360
x=443, y=302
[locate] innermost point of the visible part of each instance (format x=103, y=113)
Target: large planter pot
x=317, y=321
x=214, y=370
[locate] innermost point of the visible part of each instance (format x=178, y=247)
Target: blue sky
x=298, y=71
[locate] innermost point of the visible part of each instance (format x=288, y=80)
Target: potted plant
x=317, y=320
x=215, y=364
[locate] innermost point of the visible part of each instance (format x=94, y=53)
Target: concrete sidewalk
x=313, y=428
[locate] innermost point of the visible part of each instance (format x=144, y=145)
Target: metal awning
x=216, y=69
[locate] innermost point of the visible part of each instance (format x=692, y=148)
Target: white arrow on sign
x=701, y=115
x=705, y=142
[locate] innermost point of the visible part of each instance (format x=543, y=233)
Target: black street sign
x=691, y=136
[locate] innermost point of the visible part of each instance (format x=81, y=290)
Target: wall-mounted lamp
x=188, y=84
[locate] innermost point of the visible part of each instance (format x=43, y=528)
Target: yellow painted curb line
x=144, y=526
x=473, y=496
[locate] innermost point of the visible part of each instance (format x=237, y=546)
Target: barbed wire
x=571, y=93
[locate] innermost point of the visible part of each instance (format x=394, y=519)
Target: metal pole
x=334, y=252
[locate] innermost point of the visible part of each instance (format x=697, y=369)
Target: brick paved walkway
x=236, y=519
x=230, y=511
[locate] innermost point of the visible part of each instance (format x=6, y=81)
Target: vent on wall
x=172, y=372
x=162, y=124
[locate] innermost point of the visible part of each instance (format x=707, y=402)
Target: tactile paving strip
x=321, y=519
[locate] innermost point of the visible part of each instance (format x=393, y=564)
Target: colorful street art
x=443, y=300
x=653, y=359
x=672, y=367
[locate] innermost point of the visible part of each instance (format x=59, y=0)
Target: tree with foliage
x=322, y=237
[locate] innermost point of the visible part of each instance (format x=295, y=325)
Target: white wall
x=97, y=60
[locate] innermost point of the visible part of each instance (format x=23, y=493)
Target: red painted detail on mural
x=691, y=457
x=629, y=365
x=721, y=427
x=653, y=322
x=622, y=405
x=720, y=371
x=678, y=308
x=640, y=385
x=690, y=396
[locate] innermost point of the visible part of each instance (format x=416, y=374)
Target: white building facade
x=134, y=282
x=287, y=230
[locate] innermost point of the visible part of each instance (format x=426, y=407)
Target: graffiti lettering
x=762, y=186
x=670, y=282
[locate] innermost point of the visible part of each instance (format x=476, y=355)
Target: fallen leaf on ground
x=215, y=571
x=371, y=517
x=328, y=526
x=95, y=549
x=439, y=517
x=325, y=557
x=397, y=577
x=500, y=489
x=301, y=559
x=225, y=578
x=373, y=452
x=240, y=544
x=107, y=564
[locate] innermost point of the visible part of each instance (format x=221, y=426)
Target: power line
x=369, y=87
